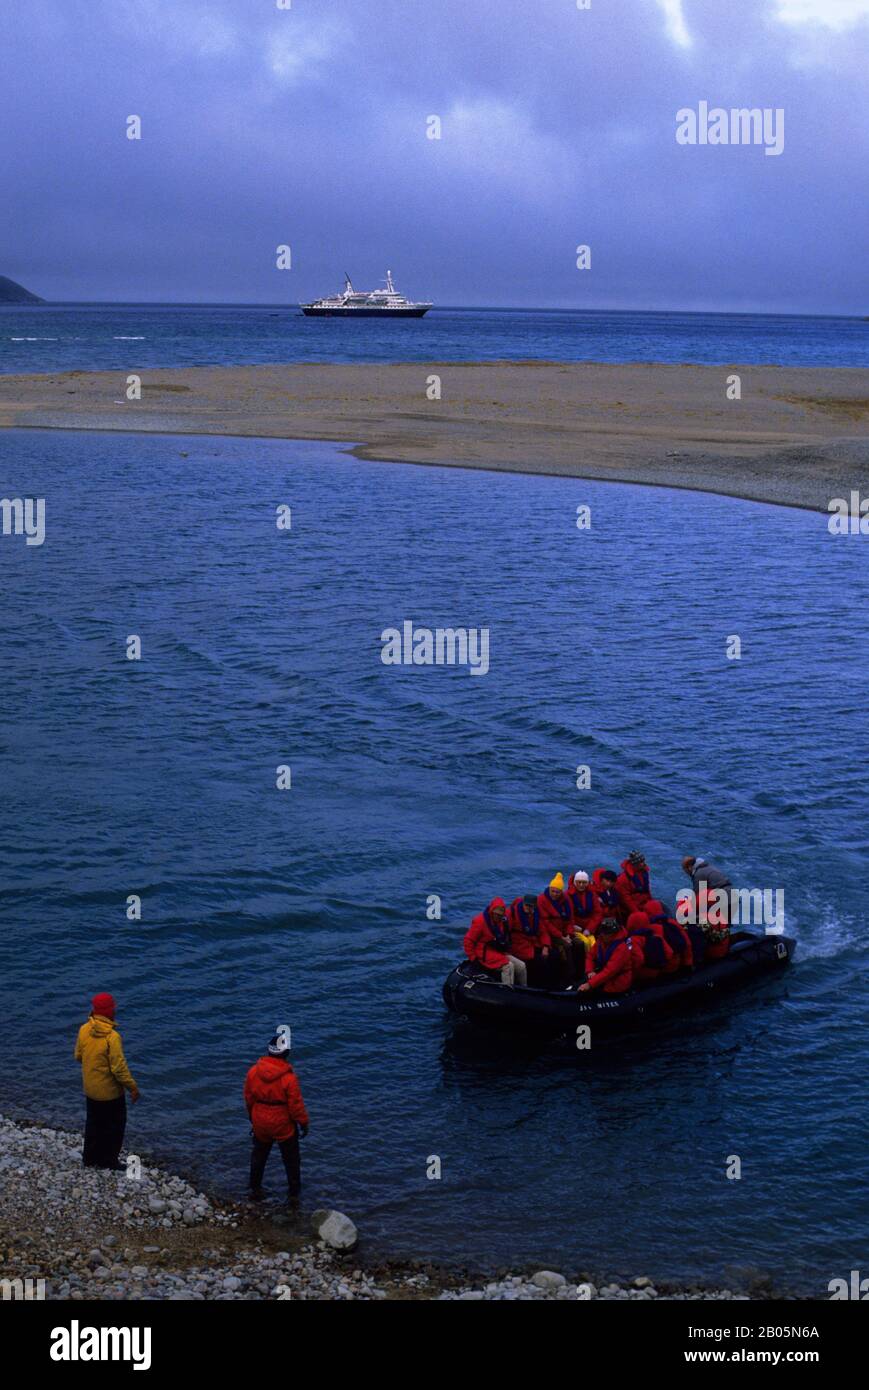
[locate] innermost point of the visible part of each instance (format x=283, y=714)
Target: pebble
x=335, y=1229
x=60, y=1220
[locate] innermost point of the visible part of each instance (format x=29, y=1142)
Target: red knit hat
x=103, y=1004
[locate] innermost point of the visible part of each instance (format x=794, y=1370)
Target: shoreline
x=796, y=437
x=94, y=1236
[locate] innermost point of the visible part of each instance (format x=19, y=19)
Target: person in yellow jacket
x=105, y=1077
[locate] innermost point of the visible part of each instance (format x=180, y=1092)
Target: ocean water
x=308, y=906
x=71, y=337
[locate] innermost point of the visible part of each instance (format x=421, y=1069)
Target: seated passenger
x=586, y=913
x=609, y=961
x=632, y=885
x=556, y=918
x=487, y=941
x=529, y=940
x=650, y=952
x=676, y=937
x=603, y=881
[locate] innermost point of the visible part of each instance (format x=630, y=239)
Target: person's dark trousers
x=564, y=970
x=536, y=968
x=547, y=969
x=292, y=1163
x=104, y=1132
x=577, y=960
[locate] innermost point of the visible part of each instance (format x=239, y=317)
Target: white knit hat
x=582, y=875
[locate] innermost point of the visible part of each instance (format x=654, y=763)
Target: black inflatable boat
x=475, y=994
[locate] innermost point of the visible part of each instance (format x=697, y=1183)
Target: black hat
x=609, y=924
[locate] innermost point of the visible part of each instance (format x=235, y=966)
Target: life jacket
x=675, y=936
x=654, y=955
x=633, y=887
x=603, y=951
x=606, y=896
x=560, y=905
x=528, y=925
x=637, y=878
x=554, y=916
x=654, y=952
x=485, y=942
x=500, y=932
x=583, y=905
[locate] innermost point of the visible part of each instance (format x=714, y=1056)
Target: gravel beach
x=94, y=1235
x=796, y=436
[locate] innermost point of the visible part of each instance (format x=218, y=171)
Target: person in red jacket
x=586, y=913
x=529, y=940
x=603, y=881
x=277, y=1115
x=487, y=941
x=555, y=915
x=609, y=964
x=632, y=884
x=651, y=953
x=676, y=936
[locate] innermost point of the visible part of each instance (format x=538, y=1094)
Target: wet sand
x=797, y=436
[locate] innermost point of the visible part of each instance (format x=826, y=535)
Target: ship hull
x=313, y=313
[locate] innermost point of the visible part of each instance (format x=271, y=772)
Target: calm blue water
x=308, y=906
x=90, y=337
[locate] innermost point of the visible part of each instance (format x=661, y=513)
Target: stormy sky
x=308, y=126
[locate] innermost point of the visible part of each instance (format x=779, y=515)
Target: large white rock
x=336, y=1229
x=547, y=1279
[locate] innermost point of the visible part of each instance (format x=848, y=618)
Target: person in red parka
x=651, y=952
x=609, y=963
x=603, y=882
x=529, y=940
x=586, y=912
x=632, y=884
x=555, y=914
x=487, y=940
x=277, y=1115
x=676, y=936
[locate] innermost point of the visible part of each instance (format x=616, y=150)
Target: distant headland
x=12, y=293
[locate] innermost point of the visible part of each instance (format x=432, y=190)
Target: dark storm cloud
x=308, y=126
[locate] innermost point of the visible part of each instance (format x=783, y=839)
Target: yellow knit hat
x=557, y=882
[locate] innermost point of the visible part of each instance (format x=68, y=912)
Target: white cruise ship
x=387, y=303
